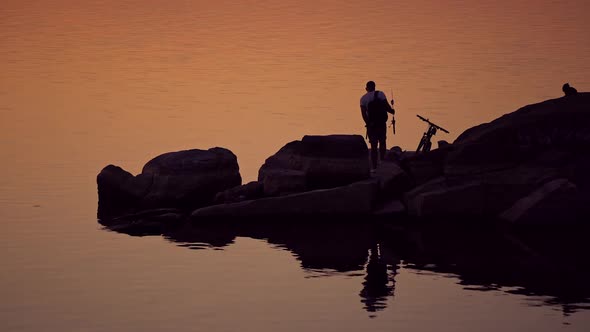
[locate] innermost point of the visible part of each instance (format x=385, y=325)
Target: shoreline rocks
x=183, y=179
x=528, y=167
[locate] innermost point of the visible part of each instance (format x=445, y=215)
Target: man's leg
x=382, y=141
x=373, y=133
x=382, y=148
x=374, y=153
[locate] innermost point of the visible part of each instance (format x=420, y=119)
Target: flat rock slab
x=394, y=207
x=550, y=204
x=351, y=200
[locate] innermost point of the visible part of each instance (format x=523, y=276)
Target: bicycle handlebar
x=432, y=124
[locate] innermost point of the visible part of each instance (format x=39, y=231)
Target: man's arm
x=389, y=107
x=364, y=114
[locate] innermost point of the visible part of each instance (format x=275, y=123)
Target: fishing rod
x=392, y=124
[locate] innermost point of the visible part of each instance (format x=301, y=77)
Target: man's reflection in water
x=378, y=284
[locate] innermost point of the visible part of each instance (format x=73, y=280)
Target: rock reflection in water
x=336, y=247
x=550, y=267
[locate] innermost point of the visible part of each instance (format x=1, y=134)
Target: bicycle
x=425, y=143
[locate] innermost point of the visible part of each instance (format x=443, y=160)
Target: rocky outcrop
x=315, y=162
x=560, y=124
x=527, y=167
x=377, y=196
x=185, y=179
x=319, y=175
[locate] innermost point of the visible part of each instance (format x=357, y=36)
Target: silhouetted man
x=374, y=109
x=568, y=90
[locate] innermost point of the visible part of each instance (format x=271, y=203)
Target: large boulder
x=315, y=162
x=438, y=199
x=483, y=195
x=556, y=202
x=392, y=180
x=184, y=179
x=425, y=166
x=527, y=167
x=283, y=181
x=191, y=177
x=119, y=192
x=520, y=136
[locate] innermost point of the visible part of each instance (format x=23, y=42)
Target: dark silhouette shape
x=377, y=285
x=545, y=263
x=569, y=90
x=374, y=109
x=540, y=263
x=425, y=143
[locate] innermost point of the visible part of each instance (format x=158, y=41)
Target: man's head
x=370, y=86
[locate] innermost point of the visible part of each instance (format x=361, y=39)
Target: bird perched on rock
x=568, y=90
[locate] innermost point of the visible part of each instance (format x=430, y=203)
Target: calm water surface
x=89, y=83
